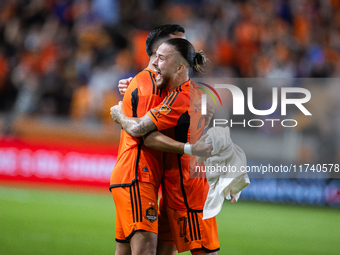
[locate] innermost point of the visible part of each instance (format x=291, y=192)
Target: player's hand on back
x=116, y=111
x=201, y=148
x=123, y=85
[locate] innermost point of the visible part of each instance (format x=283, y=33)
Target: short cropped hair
x=161, y=32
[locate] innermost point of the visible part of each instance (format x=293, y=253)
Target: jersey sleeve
x=141, y=96
x=172, y=111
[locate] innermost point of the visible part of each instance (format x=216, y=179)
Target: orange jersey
x=180, y=114
x=135, y=161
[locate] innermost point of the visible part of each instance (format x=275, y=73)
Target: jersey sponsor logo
x=165, y=109
x=151, y=214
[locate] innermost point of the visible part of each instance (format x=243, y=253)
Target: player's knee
x=123, y=249
x=165, y=249
x=144, y=242
x=150, y=249
x=147, y=249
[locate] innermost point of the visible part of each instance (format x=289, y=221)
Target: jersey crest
x=165, y=109
x=151, y=214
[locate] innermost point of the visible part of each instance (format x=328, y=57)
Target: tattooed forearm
x=137, y=127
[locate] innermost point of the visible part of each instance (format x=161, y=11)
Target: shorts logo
x=145, y=169
x=151, y=214
x=165, y=109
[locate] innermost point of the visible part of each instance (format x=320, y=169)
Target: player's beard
x=165, y=82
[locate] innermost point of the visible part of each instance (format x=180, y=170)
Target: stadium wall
x=65, y=162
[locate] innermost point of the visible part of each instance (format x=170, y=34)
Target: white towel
x=224, y=154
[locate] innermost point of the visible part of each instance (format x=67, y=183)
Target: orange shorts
x=188, y=230
x=136, y=209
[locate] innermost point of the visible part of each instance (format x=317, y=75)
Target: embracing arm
x=144, y=126
x=158, y=141
x=136, y=127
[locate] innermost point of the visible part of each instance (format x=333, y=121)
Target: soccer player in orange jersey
x=136, y=176
x=184, y=196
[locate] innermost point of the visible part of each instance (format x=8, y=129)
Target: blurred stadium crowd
x=65, y=57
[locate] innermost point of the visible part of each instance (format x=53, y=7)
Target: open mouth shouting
x=159, y=75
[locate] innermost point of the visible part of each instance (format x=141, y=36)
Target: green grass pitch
x=63, y=222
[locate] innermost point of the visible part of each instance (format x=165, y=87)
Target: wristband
x=187, y=149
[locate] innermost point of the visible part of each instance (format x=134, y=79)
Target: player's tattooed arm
x=136, y=127
x=209, y=115
x=158, y=141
